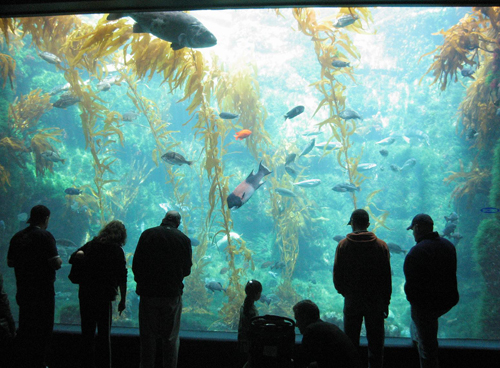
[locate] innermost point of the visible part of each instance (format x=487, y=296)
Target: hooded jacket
x=362, y=268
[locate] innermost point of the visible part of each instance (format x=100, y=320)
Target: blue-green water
x=266, y=66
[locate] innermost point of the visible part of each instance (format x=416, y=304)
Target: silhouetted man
x=33, y=254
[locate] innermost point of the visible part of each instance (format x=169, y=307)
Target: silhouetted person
x=324, y=345
x=431, y=285
x=105, y=272
x=362, y=274
x=33, y=254
x=7, y=328
x=161, y=261
x=253, y=291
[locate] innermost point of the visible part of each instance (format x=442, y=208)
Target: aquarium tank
x=392, y=109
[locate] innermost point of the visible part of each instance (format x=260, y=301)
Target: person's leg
x=375, y=334
x=171, y=322
x=425, y=329
x=353, y=319
x=103, y=341
x=149, y=319
x=88, y=325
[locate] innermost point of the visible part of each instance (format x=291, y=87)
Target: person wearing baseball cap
x=430, y=270
x=362, y=275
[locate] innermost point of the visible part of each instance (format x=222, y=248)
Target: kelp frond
x=473, y=182
x=41, y=143
x=25, y=111
x=4, y=178
x=7, y=68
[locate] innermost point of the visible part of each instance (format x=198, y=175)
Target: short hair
x=113, y=232
x=253, y=287
x=38, y=214
x=173, y=216
x=360, y=217
x=307, y=310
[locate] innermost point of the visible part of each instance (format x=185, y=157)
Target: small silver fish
x=329, y=145
x=49, y=58
x=52, y=156
x=350, y=114
x=366, y=167
x=386, y=141
x=285, y=192
x=308, y=183
x=309, y=147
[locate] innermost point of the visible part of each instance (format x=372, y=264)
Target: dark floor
x=220, y=350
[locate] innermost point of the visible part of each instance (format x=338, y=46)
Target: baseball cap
x=360, y=216
x=421, y=219
x=38, y=213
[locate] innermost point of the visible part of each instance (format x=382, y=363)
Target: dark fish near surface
x=340, y=63
x=66, y=99
x=228, y=115
x=346, y=20
x=350, y=114
x=130, y=116
x=49, y=58
x=180, y=28
x=52, y=156
x=309, y=147
x=247, y=187
x=384, y=152
x=453, y=217
x=73, y=191
x=214, y=286
x=174, y=158
x=394, y=248
x=346, y=187
x=297, y=110
x=449, y=229
x=338, y=238
x=291, y=172
x=290, y=158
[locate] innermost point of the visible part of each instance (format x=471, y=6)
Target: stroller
x=272, y=340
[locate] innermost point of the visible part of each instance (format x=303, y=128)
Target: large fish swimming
x=180, y=28
x=247, y=187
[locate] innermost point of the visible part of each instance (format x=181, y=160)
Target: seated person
x=324, y=345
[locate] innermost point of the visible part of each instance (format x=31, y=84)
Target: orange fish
x=242, y=134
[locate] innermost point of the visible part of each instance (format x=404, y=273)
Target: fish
x=386, y=141
x=103, y=86
x=58, y=89
x=308, y=183
x=456, y=237
x=194, y=242
x=291, y=172
x=468, y=72
x=297, y=110
x=346, y=187
x=285, y=192
x=328, y=145
x=221, y=244
x=409, y=163
x=350, y=114
x=414, y=133
x=274, y=275
x=49, y=58
x=228, y=115
x=471, y=134
x=449, y=229
x=174, y=158
x=52, y=156
x=338, y=238
x=214, y=286
x=265, y=299
x=179, y=28
x=453, y=217
x=384, y=152
x=396, y=249
x=337, y=63
x=67, y=99
x=266, y=264
x=366, y=167
x=130, y=116
x=66, y=243
x=310, y=134
x=395, y=168
x=23, y=216
x=345, y=20
x=308, y=148
x=290, y=158
x=247, y=187
x=279, y=265
x=224, y=270
x=73, y=191
x=242, y=134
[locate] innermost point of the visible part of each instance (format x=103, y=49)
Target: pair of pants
x=355, y=309
x=424, y=331
x=95, y=313
x=36, y=322
x=159, y=318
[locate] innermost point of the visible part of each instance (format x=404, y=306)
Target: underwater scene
x=265, y=129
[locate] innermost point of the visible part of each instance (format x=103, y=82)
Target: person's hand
x=386, y=312
x=121, y=306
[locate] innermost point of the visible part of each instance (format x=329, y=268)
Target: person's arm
x=123, y=297
x=121, y=272
x=55, y=262
x=54, y=259
x=338, y=275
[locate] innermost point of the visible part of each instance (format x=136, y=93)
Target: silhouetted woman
x=104, y=272
x=253, y=291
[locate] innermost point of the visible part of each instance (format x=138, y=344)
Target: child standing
x=253, y=291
